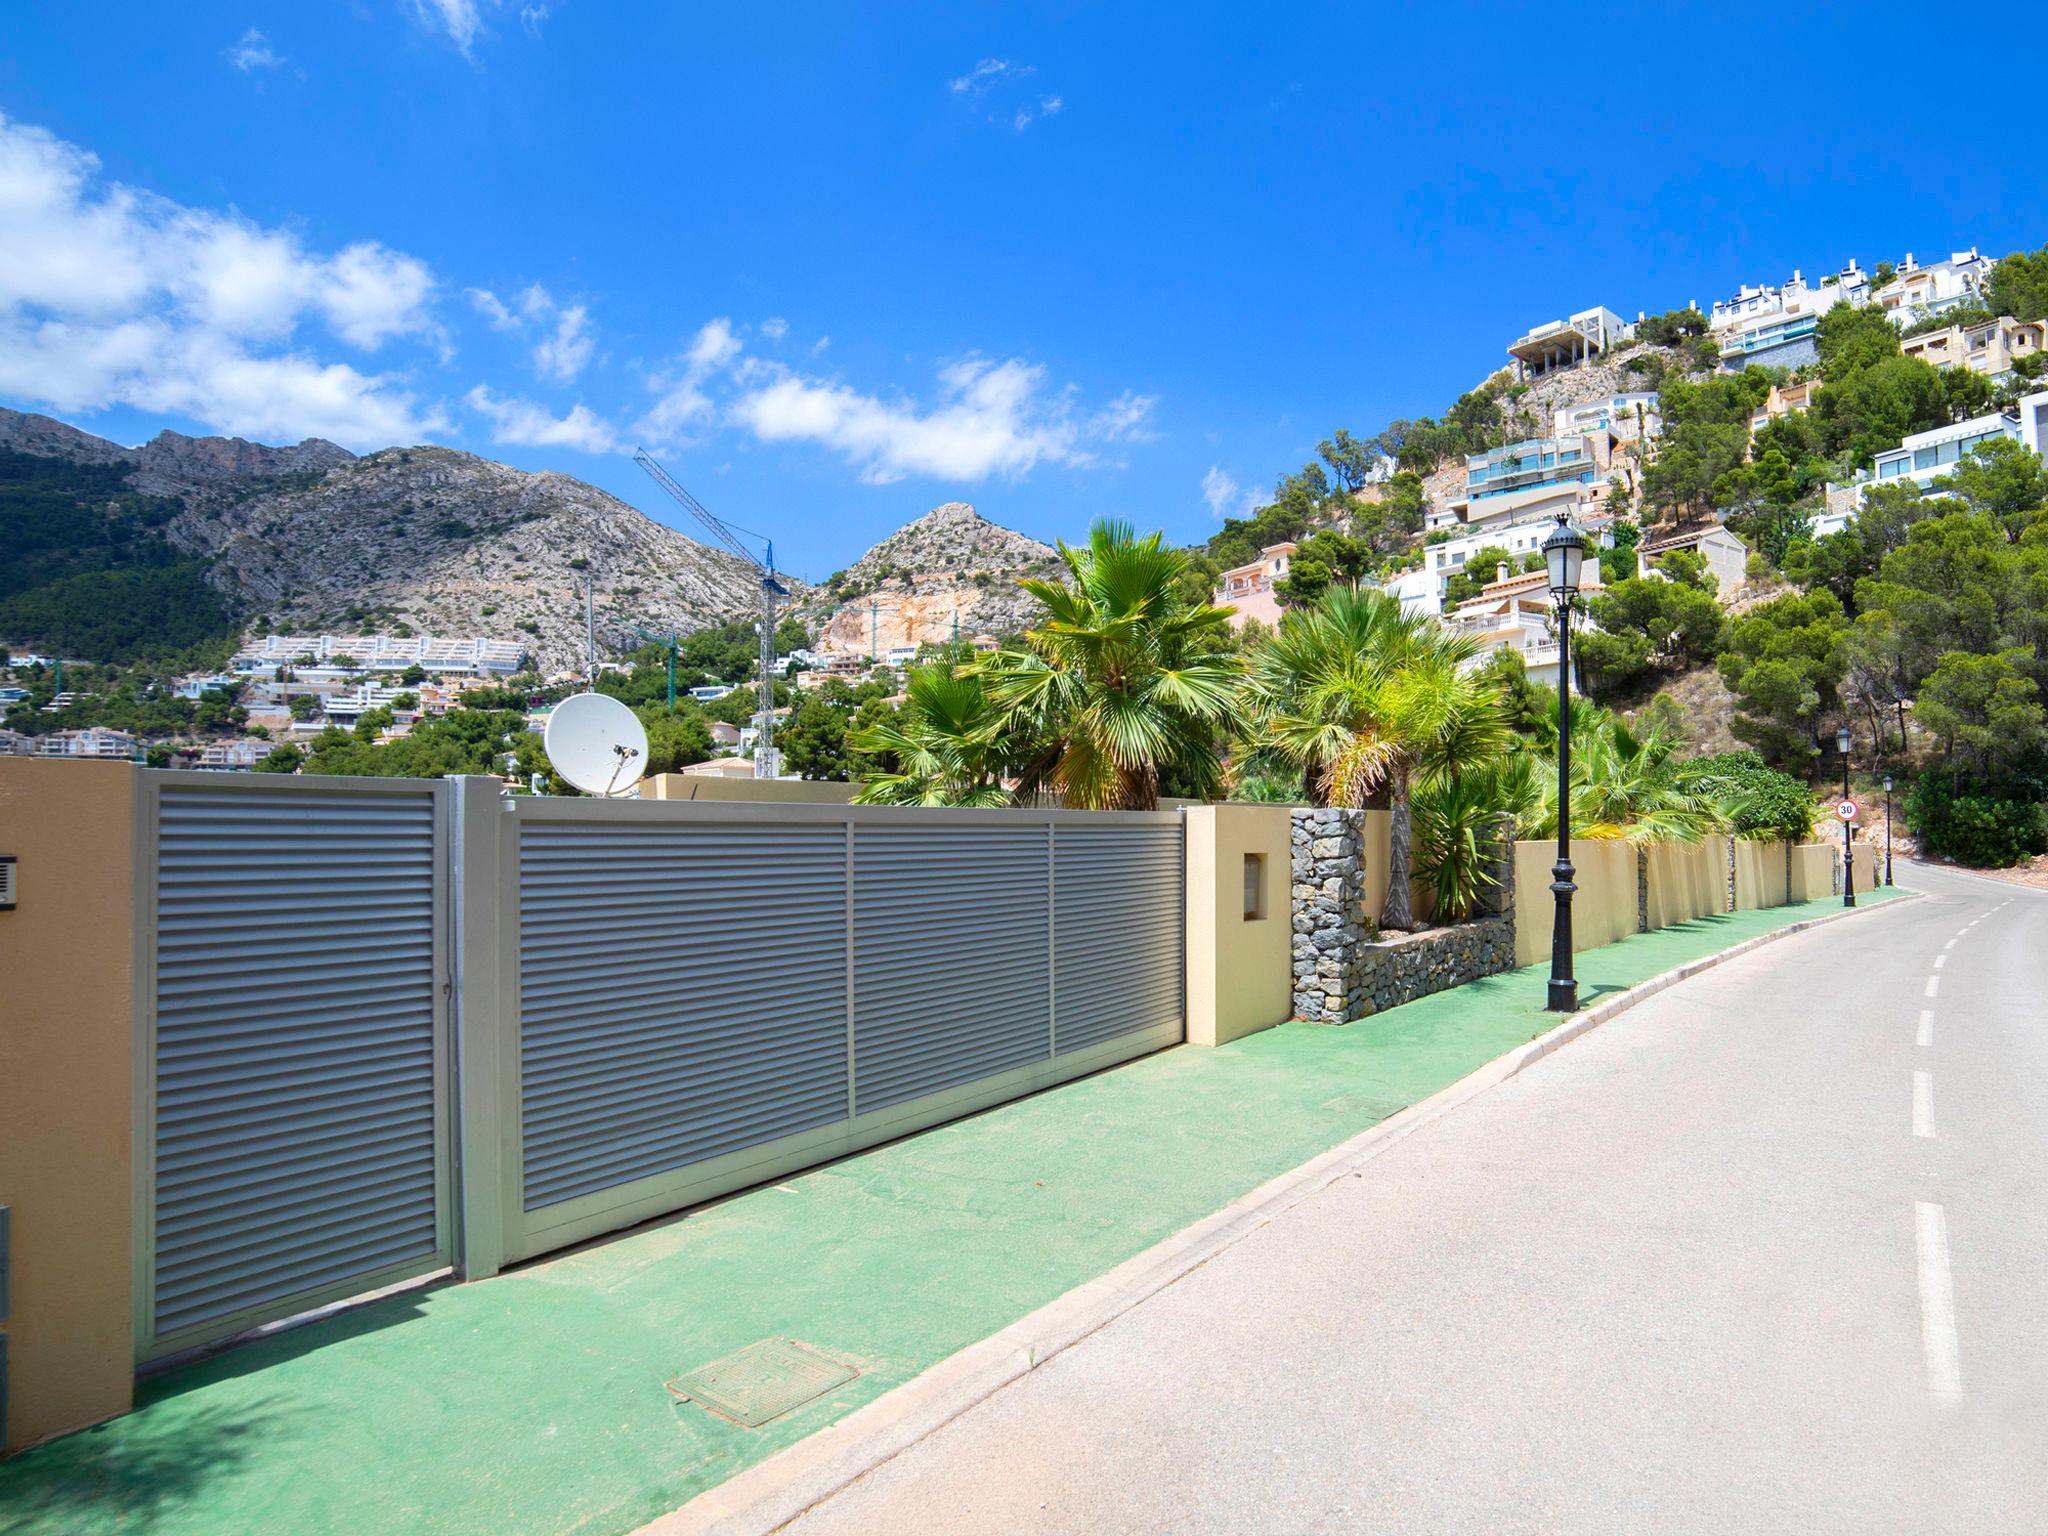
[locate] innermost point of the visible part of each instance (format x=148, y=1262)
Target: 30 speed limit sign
x=1845, y=810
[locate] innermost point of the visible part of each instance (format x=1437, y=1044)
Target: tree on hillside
x=1672, y=327
x=1784, y=661
x=1705, y=440
x=2018, y=285
x=1851, y=337
x=1985, y=711
x=1351, y=462
x=2000, y=479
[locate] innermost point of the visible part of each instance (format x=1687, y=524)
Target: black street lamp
x=1848, y=847
x=1564, y=552
x=1887, y=829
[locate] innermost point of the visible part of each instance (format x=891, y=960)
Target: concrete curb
x=771, y=1493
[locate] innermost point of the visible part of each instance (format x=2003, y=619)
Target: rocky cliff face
x=950, y=566
x=443, y=542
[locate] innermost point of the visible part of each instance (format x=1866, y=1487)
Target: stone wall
x=1343, y=969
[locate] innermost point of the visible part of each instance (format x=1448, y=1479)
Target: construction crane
x=766, y=759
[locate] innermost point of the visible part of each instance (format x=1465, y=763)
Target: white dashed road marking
x=1933, y=985
x=1926, y=1035
x=1923, y=1104
x=1937, y=1302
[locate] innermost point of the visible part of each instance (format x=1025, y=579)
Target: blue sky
x=1060, y=261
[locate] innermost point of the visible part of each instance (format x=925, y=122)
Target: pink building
x=1249, y=588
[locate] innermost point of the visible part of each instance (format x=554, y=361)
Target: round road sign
x=1845, y=810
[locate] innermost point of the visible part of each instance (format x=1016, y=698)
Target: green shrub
x=1972, y=827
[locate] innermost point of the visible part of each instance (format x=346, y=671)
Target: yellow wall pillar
x=67, y=1090
x=1239, y=920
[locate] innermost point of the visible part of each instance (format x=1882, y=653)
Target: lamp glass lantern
x=1564, y=552
x=1842, y=740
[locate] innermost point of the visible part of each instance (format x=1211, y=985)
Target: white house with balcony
x=1916, y=292
x=1626, y=416
x=1926, y=457
x=92, y=741
x=1421, y=590
x=1514, y=613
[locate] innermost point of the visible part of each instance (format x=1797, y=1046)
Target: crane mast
x=766, y=759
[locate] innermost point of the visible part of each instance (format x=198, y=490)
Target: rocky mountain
x=313, y=537
x=950, y=566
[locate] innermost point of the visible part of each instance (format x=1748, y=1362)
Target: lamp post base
x=1564, y=996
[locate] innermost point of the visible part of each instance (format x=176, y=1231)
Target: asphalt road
x=1768, y=1253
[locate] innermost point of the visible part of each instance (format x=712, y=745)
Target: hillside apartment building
x=1989, y=347
x=472, y=656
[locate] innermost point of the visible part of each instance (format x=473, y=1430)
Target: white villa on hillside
x=1756, y=305
x=1567, y=343
x=1918, y=292
x=1514, y=613
x=1926, y=457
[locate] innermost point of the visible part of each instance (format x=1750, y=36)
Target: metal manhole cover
x=763, y=1381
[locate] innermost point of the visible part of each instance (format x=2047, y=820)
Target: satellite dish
x=596, y=743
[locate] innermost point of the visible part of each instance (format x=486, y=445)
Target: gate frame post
x=479, y=814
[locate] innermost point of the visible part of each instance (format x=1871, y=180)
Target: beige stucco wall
x=1687, y=881
x=66, y=1090
x=1603, y=910
x=1237, y=969
x=1759, y=875
x=695, y=786
x=1813, y=867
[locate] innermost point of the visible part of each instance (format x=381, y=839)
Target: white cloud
x=566, y=346
x=820, y=345
x=1051, y=106
x=111, y=296
x=682, y=399
x=988, y=419
x=563, y=355
x=1123, y=419
x=460, y=19
x=983, y=75
x=525, y=424
x=1226, y=498
x=775, y=327
x=493, y=309
x=531, y=16
x=714, y=346
x=253, y=52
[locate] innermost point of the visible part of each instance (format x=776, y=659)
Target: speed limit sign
x=1845, y=810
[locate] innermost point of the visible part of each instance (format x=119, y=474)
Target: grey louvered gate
x=710, y=995
x=293, y=1050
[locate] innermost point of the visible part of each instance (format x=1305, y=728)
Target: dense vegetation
x=85, y=569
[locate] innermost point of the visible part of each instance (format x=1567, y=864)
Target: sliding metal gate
x=710, y=995
x=293, y=1051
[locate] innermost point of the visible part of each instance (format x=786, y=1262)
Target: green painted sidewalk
x=533, y=1404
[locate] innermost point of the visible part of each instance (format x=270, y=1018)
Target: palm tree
x=1362, y=697
x=948, y=741
x=1625, y=786
x=1125, y=683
